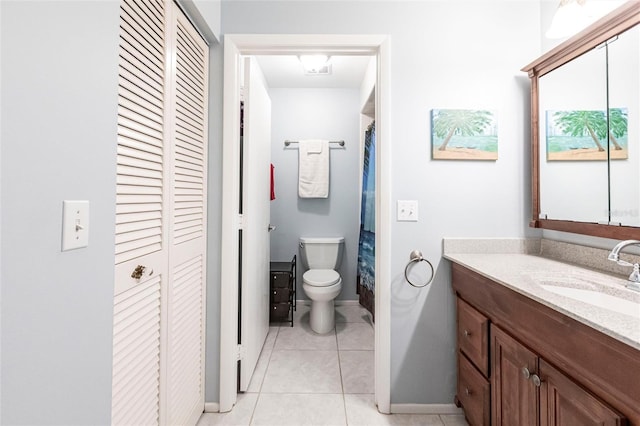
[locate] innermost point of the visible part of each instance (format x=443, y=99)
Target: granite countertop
x=593, y=298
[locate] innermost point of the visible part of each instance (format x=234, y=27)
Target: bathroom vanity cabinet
x=282, y=291
x=523, y=363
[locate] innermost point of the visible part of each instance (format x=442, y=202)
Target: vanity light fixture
x=315, y=64
x=570, y=17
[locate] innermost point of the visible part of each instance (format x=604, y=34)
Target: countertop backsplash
x=585, y=256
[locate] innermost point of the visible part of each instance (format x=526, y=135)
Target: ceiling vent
x=323, y=70
x=315, y=64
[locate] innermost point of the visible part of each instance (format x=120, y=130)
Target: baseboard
x=346, y=302
x=425, y=409
x=211, y=407
x=336, y=302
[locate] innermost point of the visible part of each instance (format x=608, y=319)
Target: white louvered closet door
x=187, y=245
x=141, y=228
x=158, y=314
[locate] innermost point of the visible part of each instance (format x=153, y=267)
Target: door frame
x=236, y=45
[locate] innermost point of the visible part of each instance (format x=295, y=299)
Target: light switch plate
x=407, y=210
x=75, y=224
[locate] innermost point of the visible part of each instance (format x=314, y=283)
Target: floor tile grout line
x=344, y=402
x=268, y=362
x=253, y=412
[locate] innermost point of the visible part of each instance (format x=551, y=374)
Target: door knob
x=138, y=272
x=271, y=227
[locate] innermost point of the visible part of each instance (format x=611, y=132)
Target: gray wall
x=444, y=54
x=331, y=114
x=59, y=100
x=59, y=73
x=205, y=14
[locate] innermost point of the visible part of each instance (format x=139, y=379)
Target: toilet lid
x=321, y=277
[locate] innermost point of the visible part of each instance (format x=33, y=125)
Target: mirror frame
x=613, y=24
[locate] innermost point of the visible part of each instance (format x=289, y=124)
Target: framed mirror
x=585, y=120
x=623, y=54
x=573, y=171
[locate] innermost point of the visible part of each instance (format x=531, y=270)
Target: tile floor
x=303, y=378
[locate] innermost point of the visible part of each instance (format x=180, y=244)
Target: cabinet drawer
x=474, y=393
x=473, y=336
x=279, y=311
x=280, y=279
x=280, y=295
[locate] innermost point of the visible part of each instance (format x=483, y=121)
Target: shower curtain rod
x=287, y=142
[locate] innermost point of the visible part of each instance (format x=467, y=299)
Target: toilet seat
x=321, y=277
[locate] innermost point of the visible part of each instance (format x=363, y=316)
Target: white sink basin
x=596, y=298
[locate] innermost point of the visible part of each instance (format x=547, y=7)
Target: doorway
x=235, y=48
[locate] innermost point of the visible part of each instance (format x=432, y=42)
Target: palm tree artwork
x=464, y=134
x=585, y=134
x=618, y=126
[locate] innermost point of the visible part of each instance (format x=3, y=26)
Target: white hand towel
x=313, y=169
x=314, y=146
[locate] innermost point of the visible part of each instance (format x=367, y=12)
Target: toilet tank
x=321, y=253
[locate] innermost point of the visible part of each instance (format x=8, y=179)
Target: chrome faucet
x=615, y=256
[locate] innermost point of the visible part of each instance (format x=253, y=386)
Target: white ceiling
x=285, y=71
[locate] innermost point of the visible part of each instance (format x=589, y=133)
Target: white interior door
x=255, y=219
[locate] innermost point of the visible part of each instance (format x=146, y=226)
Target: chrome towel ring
x=416, y=257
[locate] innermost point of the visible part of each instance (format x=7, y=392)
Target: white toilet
x=321, y=283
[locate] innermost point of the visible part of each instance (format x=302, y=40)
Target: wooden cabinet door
x=565, y=403
x=514, y=397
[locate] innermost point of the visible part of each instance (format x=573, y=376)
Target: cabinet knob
x=526, y=373
x=466, y=333
x=467, y=391
x=536, y=380
x=274, y=292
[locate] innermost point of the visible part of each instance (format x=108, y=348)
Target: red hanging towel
x=273, y=185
